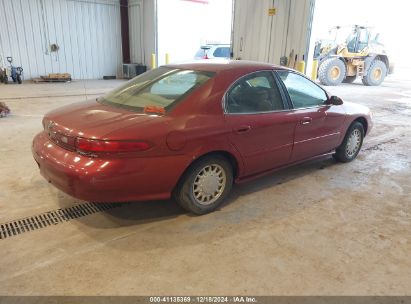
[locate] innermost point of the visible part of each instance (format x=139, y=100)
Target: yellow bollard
x=314, y=70
x=301, y=66
x=153, y=61
x=167, y=58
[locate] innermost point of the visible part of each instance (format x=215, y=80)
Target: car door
x=319, y=124
x=260, y=123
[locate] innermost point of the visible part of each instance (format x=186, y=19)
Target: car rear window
x=159, y=88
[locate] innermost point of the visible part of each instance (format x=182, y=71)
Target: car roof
x=224, y=65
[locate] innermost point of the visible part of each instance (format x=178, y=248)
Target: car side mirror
x=335, y=100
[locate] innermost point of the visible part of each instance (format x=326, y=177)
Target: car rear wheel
x=205, y=185
x=352, y=143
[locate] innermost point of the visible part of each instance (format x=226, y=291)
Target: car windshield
x=157, y=90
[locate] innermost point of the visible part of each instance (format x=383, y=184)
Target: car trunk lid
x=91, y=120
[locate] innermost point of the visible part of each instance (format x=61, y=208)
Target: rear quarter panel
x=199, y=126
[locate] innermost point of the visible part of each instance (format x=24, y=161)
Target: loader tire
x=376, y=73
x=332, y=72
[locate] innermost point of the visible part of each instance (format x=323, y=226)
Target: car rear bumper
x=107, y=179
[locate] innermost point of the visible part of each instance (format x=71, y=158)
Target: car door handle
x=306, y=120
x=242, y=129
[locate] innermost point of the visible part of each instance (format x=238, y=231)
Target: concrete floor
x=321, y=228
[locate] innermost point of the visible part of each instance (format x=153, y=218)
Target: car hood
x=92, y=119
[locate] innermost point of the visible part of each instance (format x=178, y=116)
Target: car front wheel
x=205, y=185
x=352, y=143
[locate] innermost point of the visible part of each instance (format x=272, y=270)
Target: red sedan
x=191, y=130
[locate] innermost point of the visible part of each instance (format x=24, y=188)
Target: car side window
x=254, y=93
x=303, y=93
x=222, y=52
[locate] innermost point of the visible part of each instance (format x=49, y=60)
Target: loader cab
x=358, y=39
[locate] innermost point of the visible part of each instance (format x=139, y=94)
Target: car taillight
x=110, y=146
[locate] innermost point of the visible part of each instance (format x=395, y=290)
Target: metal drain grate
x=55, y=217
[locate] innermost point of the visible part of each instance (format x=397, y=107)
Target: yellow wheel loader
x=359, y=55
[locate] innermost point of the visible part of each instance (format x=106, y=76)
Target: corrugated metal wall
x=142, y=20
x=135, y=15
x=261, y=37
x=87, y=32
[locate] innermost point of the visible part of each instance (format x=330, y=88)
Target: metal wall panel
x=142, y=21
x=135, y=16
x=261, y=37
x=87, y=32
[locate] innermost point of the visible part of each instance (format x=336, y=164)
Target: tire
x=376, y=73
x=352, y=143
x=19, y=79
x=332, y=72
x=191, y=194
x=350, y=79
